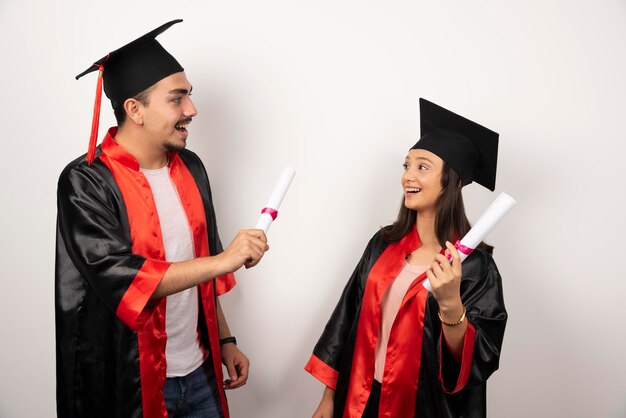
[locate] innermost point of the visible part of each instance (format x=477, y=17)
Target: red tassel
x=95, y=124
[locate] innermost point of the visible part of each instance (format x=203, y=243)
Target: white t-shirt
x=184, y=351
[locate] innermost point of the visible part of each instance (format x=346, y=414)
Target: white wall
x=332, y=88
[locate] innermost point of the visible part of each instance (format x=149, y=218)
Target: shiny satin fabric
x=110, y=335
x=92, y=276
x=421, y=379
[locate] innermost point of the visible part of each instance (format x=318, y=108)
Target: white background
x=332, y=88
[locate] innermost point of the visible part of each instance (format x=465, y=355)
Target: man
x=139, y=265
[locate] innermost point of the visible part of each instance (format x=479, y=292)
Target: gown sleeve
x=481, y=293
x=327, y=354
x=95, y=239
x=225, y=282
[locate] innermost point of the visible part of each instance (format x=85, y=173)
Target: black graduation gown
x=110, y=336
x=421, y=379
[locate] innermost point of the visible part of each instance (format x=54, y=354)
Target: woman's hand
x=325, y=408
x=445, y=279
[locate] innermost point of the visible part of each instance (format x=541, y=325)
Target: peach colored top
x=389, y=309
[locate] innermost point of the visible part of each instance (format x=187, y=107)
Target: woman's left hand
x=445, y=279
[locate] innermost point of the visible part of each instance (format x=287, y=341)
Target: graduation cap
x=128, y=71
x=468, y=148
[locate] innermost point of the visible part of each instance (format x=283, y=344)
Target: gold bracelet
x=452, y=324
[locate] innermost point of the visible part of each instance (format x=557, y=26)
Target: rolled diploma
x=276, y=198
x=488, y=220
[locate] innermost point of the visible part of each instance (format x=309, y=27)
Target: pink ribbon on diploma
x=462, y=248
x=272, y=212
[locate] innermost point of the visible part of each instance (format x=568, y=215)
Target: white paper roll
x=276, y=198
x=488, y=220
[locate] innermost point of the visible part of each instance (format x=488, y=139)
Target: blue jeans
x=194, y=395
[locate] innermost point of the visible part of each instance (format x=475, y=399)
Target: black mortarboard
x=468, y=148
x=128, y=71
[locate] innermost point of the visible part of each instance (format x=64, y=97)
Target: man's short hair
x=120, y=113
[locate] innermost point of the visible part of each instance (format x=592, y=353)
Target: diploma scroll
x=489, y=219
x=270, y=212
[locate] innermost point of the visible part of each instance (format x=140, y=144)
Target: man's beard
x=170, y=147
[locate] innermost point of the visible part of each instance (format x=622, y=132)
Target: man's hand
x=237, y=365
x=246, y=249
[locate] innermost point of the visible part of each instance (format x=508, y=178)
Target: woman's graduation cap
x=469, y=149
x=128, y=71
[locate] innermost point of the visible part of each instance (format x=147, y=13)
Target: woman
x=393, y=349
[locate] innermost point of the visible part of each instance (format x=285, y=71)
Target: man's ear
x=134, y=110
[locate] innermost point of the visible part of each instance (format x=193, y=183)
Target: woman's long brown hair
x=451, y=222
